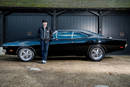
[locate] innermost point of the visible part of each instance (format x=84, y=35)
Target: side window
x=64, y=35
x=68, y=35
x=79, y=35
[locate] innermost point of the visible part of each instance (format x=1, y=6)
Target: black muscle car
x=65, y=42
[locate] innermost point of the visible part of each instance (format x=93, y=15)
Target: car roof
x=78, y=30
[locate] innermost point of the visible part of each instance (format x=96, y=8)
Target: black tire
x=21, y=55
x=98, y=55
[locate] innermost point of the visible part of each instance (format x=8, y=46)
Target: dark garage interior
x=20, y=20
x=113, y=23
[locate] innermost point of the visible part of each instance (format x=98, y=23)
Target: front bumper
x=126, y=45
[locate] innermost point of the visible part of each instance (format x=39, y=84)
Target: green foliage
x=67, y=3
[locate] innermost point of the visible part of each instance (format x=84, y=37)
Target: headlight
x=4, y=50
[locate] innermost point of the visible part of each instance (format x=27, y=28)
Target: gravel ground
x=69, y=71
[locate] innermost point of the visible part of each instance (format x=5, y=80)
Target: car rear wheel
x=25, y=54
x=96, y=53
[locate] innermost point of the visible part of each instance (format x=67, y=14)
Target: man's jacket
x=45, y=34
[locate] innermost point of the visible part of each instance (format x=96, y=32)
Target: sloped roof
x=66, y=3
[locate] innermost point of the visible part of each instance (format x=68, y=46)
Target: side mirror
x=55, y=34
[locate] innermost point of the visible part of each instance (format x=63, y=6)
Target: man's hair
x=44, y=21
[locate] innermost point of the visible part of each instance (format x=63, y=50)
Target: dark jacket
x=45, y=34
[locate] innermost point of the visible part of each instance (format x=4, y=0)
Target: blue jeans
x=44, y=48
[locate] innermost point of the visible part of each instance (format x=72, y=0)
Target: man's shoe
x=43, y=61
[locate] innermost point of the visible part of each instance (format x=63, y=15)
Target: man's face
x=44, y=24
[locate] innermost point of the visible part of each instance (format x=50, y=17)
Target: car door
x=79, y=40
x=62, y=42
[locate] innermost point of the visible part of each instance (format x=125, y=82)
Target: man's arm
x=51, y=32
x=40, y=33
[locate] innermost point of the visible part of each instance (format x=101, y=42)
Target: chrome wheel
x=26, y=54
x=96, y=53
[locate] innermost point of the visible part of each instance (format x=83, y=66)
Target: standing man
x=45, y=36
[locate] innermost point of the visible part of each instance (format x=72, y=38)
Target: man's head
x=44, y=22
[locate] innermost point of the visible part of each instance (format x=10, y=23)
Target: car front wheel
x=25, y=54
x=96, y=53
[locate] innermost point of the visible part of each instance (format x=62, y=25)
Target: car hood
x=22, y=43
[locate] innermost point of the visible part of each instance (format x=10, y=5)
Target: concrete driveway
x=69, y=71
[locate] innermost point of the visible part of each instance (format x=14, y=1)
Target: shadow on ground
x=37, y=58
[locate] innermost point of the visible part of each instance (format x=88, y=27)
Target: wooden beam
x=2, y=29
